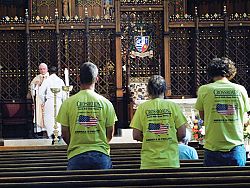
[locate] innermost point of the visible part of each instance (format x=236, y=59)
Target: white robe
x=47, y=97
x=38, y=119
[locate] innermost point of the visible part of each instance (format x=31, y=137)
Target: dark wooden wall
x=216, y=6
x=13, y=7
x=184, y=37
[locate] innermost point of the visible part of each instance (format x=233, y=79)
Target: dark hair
x=52, y=69
x=88, y=73
x=156, y=85
x=222, y=67
x=184, y=140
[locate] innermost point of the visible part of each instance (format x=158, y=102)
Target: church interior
x=181, y=38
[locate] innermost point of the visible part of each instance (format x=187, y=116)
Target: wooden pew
x=55, y=158
x=46, y=167
x=116, y=150
x=203, y=177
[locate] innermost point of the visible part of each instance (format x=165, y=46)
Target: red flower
x=197, y=129
x=196, y=136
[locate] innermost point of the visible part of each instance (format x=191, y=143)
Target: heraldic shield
x=141, y=43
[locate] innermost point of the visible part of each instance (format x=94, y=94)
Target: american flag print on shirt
x=225, y=109
x=87, y=121
x=158, y=128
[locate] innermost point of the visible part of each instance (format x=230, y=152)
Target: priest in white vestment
x=38, y=119
x=47, y=97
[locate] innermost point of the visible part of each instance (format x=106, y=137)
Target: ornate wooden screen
x=72, y=54
x=239, y=45
x=44, y=8
x=210, y=46
x=13, y=77
x=196, y=41
x=102, y=52
x=181, y=61
x=104, y=31
x=68, y=49
x=42, y=49
x=95, y=8
x=145, y=24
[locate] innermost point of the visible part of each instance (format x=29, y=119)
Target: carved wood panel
x=136, y=24
x=42, y=49
x=182, y=61
x=239, y=45
x=73, y=54
x=211, y=46
x=13, y=65
x=102, y=53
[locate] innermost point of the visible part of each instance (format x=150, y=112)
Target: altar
x=186, y=104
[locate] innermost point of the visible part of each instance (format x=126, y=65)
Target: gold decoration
x=7, y=18
x=56, y=13
x=90, y=3
x=67, y=89
x=55, y=91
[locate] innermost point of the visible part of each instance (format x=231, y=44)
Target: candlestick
x=66, y=75
x=67, y=89
x=55, y=91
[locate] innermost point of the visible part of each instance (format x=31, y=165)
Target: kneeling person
x=158, y=123
x=87, y=120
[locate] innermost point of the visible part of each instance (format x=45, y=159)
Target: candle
x=192, y=114
x=66, y=75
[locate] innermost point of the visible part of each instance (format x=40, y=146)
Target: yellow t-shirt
x=87, y=114
x=224, y=104
x=159, y=119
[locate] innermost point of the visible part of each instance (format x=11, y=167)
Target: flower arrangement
x=198, y=129
x=246, y=131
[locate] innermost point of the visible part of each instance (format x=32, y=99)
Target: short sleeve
x=246, y=100
x=180, y=119
x=62, y=116
x=194, y=154
x=199, y=102
x=136, y=121
x=111, y=115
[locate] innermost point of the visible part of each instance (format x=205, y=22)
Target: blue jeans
x=90, y=160
x=235, y=157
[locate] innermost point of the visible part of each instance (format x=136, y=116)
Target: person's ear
x=97, y=79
